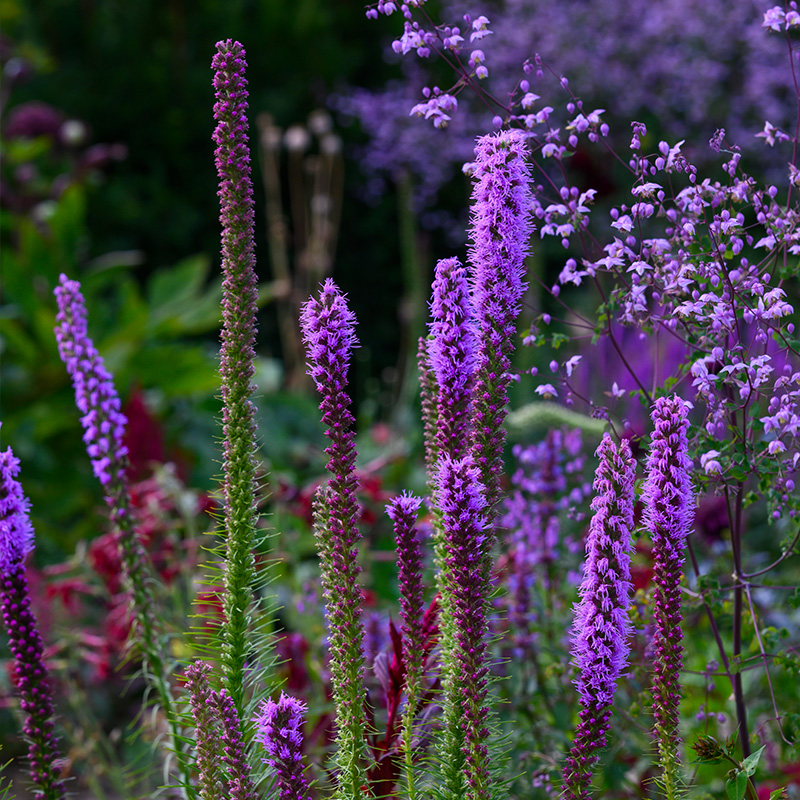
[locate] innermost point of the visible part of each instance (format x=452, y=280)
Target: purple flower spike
x=463, y=507
x=95, y=395
x=500, y=233
x=601, y=628
x=280, y=731
x=452, y=350
x=206, y=731
x=30, y=673
x=668, y=515
x=240, y=784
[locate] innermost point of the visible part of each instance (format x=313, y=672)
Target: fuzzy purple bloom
x=601, y=628
x=463, y=508
x=452, y=349
x=280, y=731
x=240, y=784
x=500, y=233
x=30, y=672
x=668, y=515
x=329, y=335
x=95, y=395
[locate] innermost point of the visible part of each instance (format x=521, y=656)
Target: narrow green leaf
x=736, y=787
x=750, y=764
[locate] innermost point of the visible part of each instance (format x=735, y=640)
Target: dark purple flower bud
x=668, y=515
x=601, y=628
x=280, y=731
x=30, y=672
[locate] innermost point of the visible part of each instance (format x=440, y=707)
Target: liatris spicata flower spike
x=403, y=513
x=280, y=731
x=462, y=504
x=668, y=514
x=452, y=355
x=30, y=672
x=329, y=335
x=240, y=784
x=207, y=729
x=501, y=227
x=239, y=298
x=601, y=628
x=104, y=426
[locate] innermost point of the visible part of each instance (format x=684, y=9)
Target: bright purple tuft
x=16, y=531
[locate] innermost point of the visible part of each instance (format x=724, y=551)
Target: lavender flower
x=601, y=628
x=240, y=784
x=452, y=354
x=280, y=731
x=206, y=727
x=463, y=506
x=329, y=335
x=237, y=353
x=30, y=671
x=501, y=227
x=668, y=514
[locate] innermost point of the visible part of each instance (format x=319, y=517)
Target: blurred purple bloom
x=280, y=731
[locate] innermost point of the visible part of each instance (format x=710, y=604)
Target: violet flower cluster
x=500, y=232
x=668, y=514
x=30, y=673
x=328, y=327
x=601, y=629
x=280, y=732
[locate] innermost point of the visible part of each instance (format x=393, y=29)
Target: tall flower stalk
x=500, y=231
x=668, y=515
x=601, y=628
x=30, y=672
x=328, y=327
x=104, y=427
x=206, y=731
x=239, y=298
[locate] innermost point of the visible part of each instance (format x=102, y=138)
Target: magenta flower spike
x=240, y=783
x=30, y=672
x=668, y=515
x=280, y=731
x=500, y=233
x=601, y=629
x=208, y=750
x=329, y=335
x=452, y=348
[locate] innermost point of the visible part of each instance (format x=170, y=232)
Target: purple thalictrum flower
x=30, y=672
x=452, y=349
x=500, y=233
x=280, y=731
x=601, y=628
x=668, y=515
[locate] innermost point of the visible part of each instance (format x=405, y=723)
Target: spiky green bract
x=462, y=503
x=328, y=327
x=500, y=232
x=30, y=675
x=601, y=628
x=403, y=513
x=668, y=515
x=428, y=395
x=236, y=359
x=104, y=427
x=208, y=750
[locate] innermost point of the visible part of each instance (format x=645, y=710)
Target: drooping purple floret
x=500, y=232
x=601, y=628
x=668, y=516
x=95, y=395
x=280, y=731
x=30, y=672
x=452, y=348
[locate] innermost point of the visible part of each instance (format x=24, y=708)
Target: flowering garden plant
x=556, y=636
